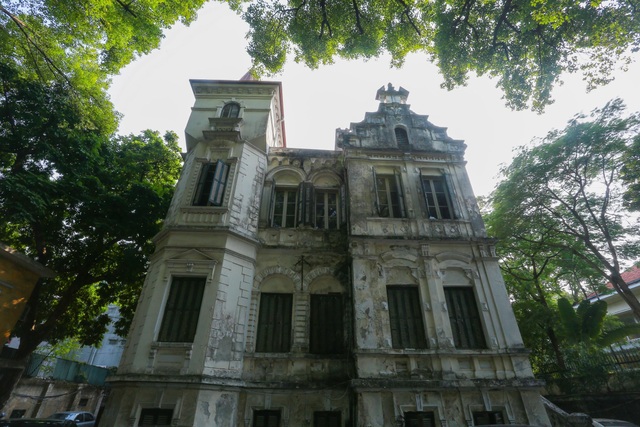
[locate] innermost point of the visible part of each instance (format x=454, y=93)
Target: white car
x=81, y=419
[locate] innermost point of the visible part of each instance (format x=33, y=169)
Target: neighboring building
x=18, y=276
x=294, y=287
x=615, y=304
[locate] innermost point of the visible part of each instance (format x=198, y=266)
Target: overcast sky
x=154, y=93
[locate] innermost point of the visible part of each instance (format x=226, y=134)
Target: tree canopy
x=526, y=45
x=80, y=201
x=565, y=193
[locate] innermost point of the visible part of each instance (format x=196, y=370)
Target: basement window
x=464, y=317
x=405, y=317
x=274, y=323
x=181, y=313
x=211, y=184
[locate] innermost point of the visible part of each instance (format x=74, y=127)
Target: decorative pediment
x=191, y=259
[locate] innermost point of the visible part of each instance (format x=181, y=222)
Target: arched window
x=402, y=139
x=232, y=110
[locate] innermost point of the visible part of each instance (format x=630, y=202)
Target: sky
x=154, y=93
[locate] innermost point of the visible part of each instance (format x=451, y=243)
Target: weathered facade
x=292, y=287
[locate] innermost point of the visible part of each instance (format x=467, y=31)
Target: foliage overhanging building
x=296, y=287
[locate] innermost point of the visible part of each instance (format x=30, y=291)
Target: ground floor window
x=483, y=418
x=326, y=419
x=155, y=417
x=419, y=419
x=266, y=418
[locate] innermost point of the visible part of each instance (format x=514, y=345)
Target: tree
x=84, y=42
x=630, y=173
x=79, y=201
x=569, y=187
x=525, y=45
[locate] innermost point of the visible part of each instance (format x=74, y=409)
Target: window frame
x=464, y=317
x=437, y=200
x=394, y=199
x=402, y=137
x=493, y=417
x=329, y=419
x=280, y=218
x=180, y=317
x=274, y=330
x=326, y=218
x=212, y=183
x=260, y=413
x=230, y=110
x=326, y=331
x=419, y=417
x=406, y=319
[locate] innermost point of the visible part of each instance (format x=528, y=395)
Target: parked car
x=606, y=422
x=36, y=422
x=80, y=419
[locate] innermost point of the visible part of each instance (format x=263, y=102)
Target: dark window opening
x=155, y=417
x=284, y=208
x=419, y=419
x=464, y=317
x=327, y=210
x=83, y=401
x=326, y=419
x=231, y=110
x=18, y=413
x=326, y=331
x=211, y=184
x=181, y=313
x=436, y=195
x=266, y=418
x=274, y=323
x=402, y=139
x=405, y=316
x=389, y=196
x=483, y=418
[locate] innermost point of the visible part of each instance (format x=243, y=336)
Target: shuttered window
x=464, y=317
x=284, y=208
x=437, y=198
x=419, y=419
x=327, y=210
x=484, y=418
x=326, y=419
x=405, y=316
x=181, y=313
x=155, y=417
x=327, y=330
x=402, y=139
x=389, y=198
x=274, y=323
x=211, y=184
x=266, y=418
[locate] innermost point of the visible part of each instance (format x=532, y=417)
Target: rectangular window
x=484, y=418
x=327, y=209
x=155, y=417
x=464, y=317
x=405, y=316
x=326, y=419
x=326, y=324
x=181, y=313
x=389, y=196
x=419, y=419
x=284, y=208
x=211, y=184
x=266, y=418
x=274, y=323
x=436, y=195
